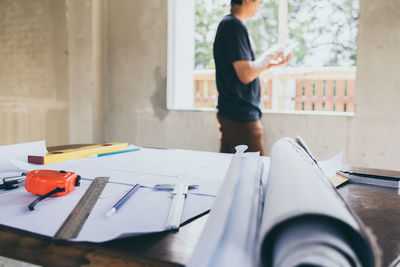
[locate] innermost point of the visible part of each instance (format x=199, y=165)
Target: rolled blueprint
x=229, y=237
x=305, y=222
x=282, y=213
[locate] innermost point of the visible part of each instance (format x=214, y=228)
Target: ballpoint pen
x=121, y=202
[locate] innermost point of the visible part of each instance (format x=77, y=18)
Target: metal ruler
x=73, y=224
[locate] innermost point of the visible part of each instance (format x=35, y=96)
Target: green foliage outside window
x=324, y=32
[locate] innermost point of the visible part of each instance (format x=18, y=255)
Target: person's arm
x=247, y=70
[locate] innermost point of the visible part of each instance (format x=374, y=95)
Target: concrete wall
x=52, y=71
x=374, y=138
x=136, y=84
x=74, y=71
x=136, y=98
x=87, y=26
x=33, y=96
x=137, y=73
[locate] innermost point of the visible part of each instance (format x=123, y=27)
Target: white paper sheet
x=206, y=169
x=170, y=163
x=332, y=165
x=19, y=152
x=145, y=212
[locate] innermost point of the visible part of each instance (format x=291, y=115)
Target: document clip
x=13, y=182
x=175, y=213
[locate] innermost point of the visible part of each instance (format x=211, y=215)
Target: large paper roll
x=282, y=214
x=305, y=221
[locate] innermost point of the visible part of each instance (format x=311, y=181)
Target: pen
x=116, y=152
x=123, y=200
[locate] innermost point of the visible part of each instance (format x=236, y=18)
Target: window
x=321, y=74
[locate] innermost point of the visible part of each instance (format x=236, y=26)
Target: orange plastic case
x=41, y=182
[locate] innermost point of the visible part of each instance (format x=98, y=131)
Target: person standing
x=238, y=85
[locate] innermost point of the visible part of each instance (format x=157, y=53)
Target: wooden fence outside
x=325, y=89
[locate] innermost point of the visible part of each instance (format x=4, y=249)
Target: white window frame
x=181, y=47
x=181, y=51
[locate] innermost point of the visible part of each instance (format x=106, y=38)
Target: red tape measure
x=46, y=183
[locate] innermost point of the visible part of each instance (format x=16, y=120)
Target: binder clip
x=13, y=182
x=50, y=183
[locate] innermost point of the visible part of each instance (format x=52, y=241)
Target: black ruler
x=73, y=224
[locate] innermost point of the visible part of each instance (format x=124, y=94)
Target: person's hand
x=279, y=60
x=263, y=61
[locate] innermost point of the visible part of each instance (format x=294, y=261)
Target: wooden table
x=378, y=208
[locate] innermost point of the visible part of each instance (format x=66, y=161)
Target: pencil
x=116, y=152
x=122, y=201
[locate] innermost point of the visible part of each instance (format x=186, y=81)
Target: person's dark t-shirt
x=236, y=101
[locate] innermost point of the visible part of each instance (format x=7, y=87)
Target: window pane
x=324, y=32
x=263, y=27
x=208, y=15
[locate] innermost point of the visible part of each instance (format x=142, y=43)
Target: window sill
x=288, y=112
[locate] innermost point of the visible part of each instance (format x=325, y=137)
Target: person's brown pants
x=235, y=133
